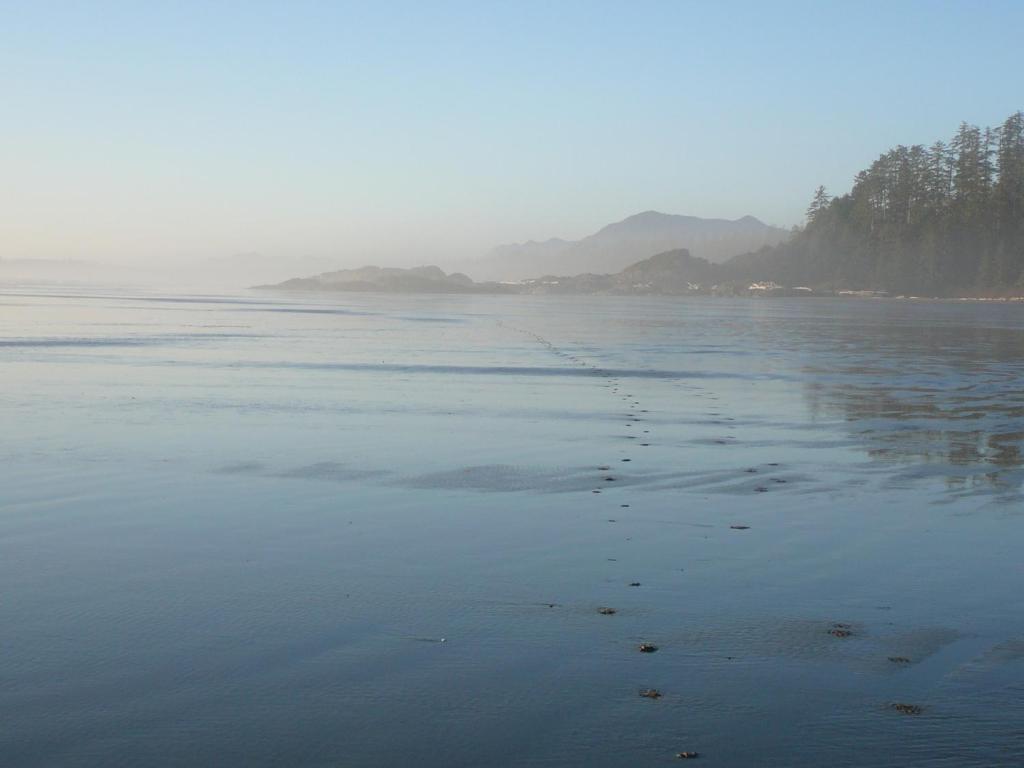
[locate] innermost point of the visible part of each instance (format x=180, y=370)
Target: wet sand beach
x=512, y=531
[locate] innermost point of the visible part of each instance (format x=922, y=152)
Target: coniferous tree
x=1008, y=201
x=818, y=204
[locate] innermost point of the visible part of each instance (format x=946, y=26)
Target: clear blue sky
x=400, y=132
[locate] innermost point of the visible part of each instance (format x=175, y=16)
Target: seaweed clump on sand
x=907, y=709
x=840, y=630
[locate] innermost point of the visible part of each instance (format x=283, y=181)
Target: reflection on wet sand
x=947, y=402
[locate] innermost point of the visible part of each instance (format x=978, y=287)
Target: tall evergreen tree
x=1008, y=201
x=818, y=204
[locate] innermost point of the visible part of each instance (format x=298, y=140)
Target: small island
x=429, y=279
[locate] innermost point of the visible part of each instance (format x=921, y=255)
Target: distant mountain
x=618, y=245
x=390, y=280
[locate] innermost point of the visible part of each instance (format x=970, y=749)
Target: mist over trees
x=944, y=220
x=939, y=220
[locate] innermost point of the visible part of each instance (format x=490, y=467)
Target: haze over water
x=261, y=529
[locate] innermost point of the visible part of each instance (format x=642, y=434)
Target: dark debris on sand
x=907, y=709
x=840, y=630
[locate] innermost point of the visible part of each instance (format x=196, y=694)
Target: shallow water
x=234, y=530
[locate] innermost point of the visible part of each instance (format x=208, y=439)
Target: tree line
x=941, y=220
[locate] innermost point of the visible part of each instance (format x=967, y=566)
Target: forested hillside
x=941, y=220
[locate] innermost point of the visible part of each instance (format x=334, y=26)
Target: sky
x=405, y=133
